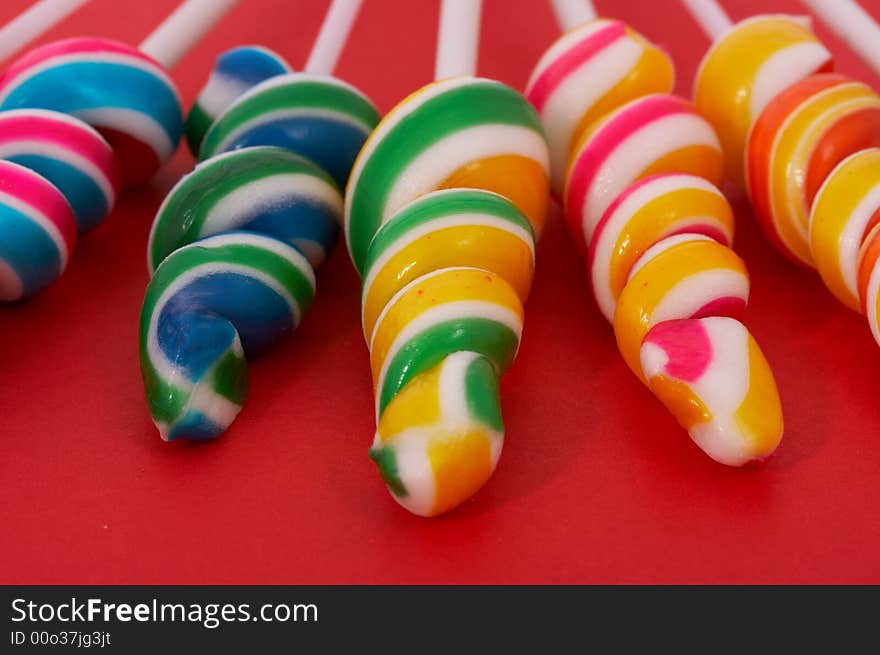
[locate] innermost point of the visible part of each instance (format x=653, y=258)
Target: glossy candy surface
x=844, y=234
x=844, y=213
x=586, y=73
x=37, y=232
x=442, y=209
x=234, y=246
x=230, y=279
x=801, y=135
x=664, y=274
x=318, y=117
x=235, y=72
x=651, y=135
x=444, y=285
x=69, y=154
x=713, y=377
x=460, y=132
x=746, y=68
x=127, y=96
x=648, y=211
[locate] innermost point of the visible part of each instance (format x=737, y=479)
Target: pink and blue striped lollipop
x=37, y=232
x=124, y=92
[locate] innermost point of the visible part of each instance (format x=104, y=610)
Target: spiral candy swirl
x=460, y=132
x=745, y=69
x=443, y=292
x=586, y=73
x=642, y=203
x=677, y=314
x=75, y=162
x=234, y=246
x=302, y=112
x=442, y=209
x=69, y=154
x=235, y=72
x=844, y=238
x=120, y=91
x=228, y=280
x=808, y=139
x=37, y=232
x=657, y=133
x=802, y=134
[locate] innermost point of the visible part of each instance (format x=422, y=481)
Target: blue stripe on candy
x=248, y=66
x=27, y=248
x=331, y=144
x=294, y=219
x=76, y=86
x=194, y=425
x=85, y=197
x=195, y=326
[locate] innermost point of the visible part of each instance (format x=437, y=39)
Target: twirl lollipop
x=126, y=93
x=234, y=246
x=117, y=92
x=811, y=169
x=446, y=267
x=748, y=64
x=640, y=197
x=594, y=67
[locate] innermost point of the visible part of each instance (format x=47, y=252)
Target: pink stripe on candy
x=612, y=208
x=573, y=58
x=63, y=132
x=41, y=195
x=73, y=46
x=599, y=148
x=687, y=346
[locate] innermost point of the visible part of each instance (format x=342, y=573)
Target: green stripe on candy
x=297, y=91
x=493, y=340
x=452, y=203
x=198, y=121
x=481, y=391
x=386, y=460
x=283, y=271
x=190, y=203
x=479, y=102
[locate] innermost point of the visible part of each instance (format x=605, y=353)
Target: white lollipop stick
x=458, y=38
x=852, y=24
x=332, y=37
x=183, y=28
x=37, y=19
x=571, y=13
x=710, y=15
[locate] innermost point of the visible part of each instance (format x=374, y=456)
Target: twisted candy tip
x=440, y=438
x=712, y=376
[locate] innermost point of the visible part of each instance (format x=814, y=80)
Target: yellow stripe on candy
x=727, y=75
x=654, y=218
x=791, y=154
x=700, y=160
x=462, y=462
x=480, y=246
x=418, y=403
x=433, y=291
x=680, y=400
x=759, y=417
x=521, y=180
x=654, y=281
x=837, y=228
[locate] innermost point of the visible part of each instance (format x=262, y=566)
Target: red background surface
x=597, y=484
